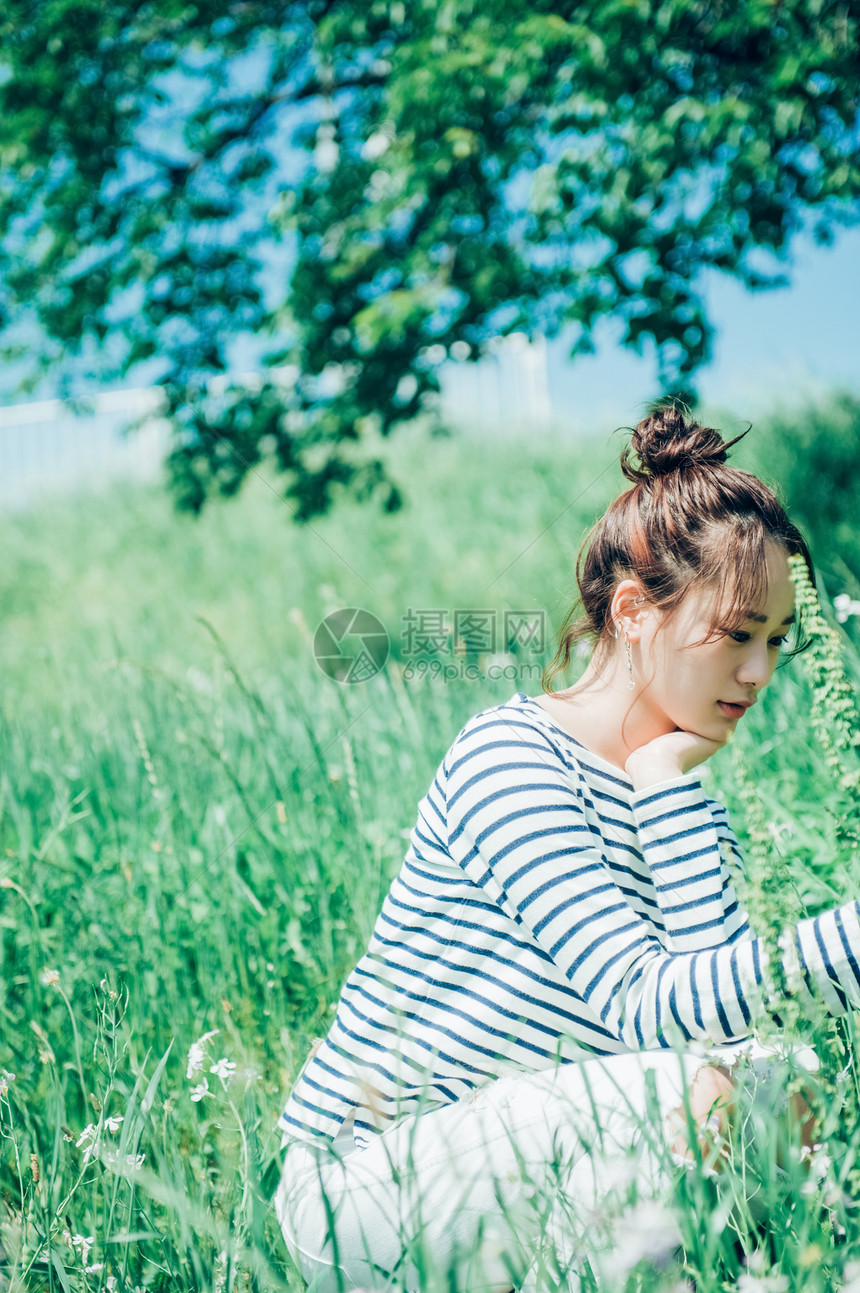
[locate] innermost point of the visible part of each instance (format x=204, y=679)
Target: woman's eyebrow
x=762, y=619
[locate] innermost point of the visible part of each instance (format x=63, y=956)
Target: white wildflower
x=759, y=1278
x=776, y=830
x=112, y=1123
x=616, y=1173
x=84, y=1243
x=762, y=1283
x=223, y=1069
x=50, y=978
x=845, y=606
x=201, y=1090
x=648, y=1232
x=130, y=1162
x=89, y=1139
x=195, y=1053
x=94, y=1269
x=851, y=1277
x=110, y=1283
x=741, y=1051
x=819, y=1160
x=219, y=1272
x=5, y=1079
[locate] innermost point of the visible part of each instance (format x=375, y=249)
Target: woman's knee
x=713, y=1095
x=712, y=1101
x=802, y=1117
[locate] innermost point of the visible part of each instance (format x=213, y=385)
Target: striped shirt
x=546, y=911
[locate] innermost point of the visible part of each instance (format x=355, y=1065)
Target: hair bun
x=665, y=442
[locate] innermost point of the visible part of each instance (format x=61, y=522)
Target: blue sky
x=772, y=348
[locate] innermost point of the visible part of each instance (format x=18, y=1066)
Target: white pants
x=501, y=1184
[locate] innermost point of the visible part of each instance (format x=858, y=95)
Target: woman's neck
x=594, y=709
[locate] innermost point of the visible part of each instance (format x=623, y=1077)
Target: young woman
x=563, y=950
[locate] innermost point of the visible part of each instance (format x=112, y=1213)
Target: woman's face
x=689, y=684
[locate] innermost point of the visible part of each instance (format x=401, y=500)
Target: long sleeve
x=517, y=826
x=683, y=835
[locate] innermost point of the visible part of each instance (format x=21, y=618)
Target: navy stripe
x=825, y=956
x=509, y=939
x=715, y=984
x=673, y=1006
x=736, y=980
x=439, y=1027
x=496, y=958
x=452, y=986
x=657, y=796
x=409, y=865
x=678, y=859
x=490, y=979
x=855, y=970
x=304, y=1127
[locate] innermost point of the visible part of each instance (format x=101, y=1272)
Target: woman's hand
x=667, y=756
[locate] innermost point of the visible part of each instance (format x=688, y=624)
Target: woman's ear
x=628, y=607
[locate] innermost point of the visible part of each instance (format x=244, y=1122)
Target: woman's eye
x=740, y=636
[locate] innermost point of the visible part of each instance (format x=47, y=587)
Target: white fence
x=504, y=393
x=46, y=447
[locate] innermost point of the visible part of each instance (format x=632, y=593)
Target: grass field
x=198, y=827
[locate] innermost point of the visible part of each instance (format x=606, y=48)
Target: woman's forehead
x=774, y=602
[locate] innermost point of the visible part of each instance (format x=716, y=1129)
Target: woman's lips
x=732, y=711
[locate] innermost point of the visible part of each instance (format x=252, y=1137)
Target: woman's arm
x=518, y=828
x=683, y=834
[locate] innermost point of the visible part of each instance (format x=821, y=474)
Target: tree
x=435, y=171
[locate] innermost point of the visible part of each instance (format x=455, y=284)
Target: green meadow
x=198, y=826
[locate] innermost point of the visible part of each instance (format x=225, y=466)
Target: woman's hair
x=687, y=520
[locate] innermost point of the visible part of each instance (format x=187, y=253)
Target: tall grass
x=198, y=828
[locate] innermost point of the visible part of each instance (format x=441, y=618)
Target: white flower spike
x=196, y=1057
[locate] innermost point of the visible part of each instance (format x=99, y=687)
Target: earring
x=630, y=683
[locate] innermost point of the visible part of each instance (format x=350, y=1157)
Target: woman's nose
x=756, y=669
